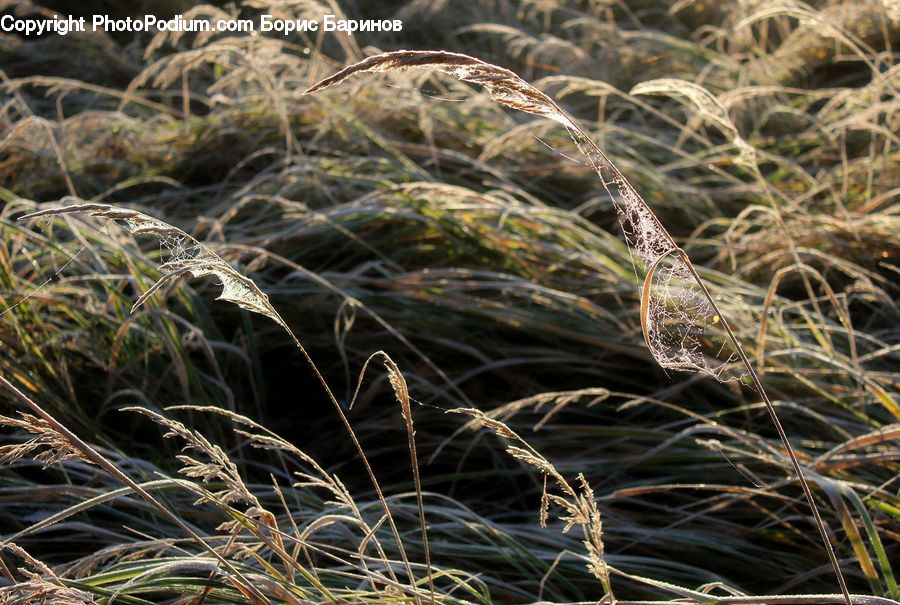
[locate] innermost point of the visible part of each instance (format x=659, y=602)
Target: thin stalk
x=402, y=393
x=757, y=385
x=754, y=377
x=745, y=361
x=360, y=451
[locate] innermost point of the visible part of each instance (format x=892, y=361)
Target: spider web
x=681, y=326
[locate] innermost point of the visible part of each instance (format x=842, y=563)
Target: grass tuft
x=183, y=451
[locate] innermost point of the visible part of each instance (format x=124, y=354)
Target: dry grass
x=475, y=246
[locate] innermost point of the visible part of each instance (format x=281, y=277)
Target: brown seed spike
x=504, y=86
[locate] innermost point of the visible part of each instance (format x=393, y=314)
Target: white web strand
x=44, y=283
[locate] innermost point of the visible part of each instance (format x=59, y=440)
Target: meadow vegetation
x=435, y=384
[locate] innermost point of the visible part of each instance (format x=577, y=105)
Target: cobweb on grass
x=183, y=255
x=679, y=318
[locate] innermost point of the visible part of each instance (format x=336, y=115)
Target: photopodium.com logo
x=62, y=26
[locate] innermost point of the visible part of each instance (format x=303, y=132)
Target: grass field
x=456, y=401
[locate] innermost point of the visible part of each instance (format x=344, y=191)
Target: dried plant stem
x=757, y=385
x=245, y=586
x=402, y=392
x=360, y=451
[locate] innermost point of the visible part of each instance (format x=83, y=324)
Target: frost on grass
x=185, y=255
x=38, y=583
x=706, y=107
x=46, y=445
x=680, y=320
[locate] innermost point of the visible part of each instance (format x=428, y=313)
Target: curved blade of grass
x=874, y=539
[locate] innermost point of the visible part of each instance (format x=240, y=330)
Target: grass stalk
x=90, y=454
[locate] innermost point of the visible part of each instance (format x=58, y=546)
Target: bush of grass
x=415, y=216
